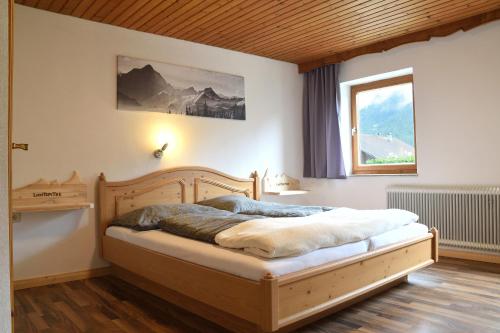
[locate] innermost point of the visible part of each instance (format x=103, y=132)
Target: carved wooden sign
x=281, y=184
x=45, y=196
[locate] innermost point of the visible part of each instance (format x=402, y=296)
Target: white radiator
x=467, y=217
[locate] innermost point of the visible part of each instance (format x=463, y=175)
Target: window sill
x=383, y=175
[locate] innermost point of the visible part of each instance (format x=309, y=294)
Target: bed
x=238, y=291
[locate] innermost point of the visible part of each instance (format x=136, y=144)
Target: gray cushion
x=231, y=203
x=243, y=205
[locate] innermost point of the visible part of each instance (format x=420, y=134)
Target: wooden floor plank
x=450, y=296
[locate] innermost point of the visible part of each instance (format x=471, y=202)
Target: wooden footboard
x=274, y=303
x=308, y=293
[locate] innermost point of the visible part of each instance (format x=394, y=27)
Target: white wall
x=5, y=324
x=457, y=109
x=65, y=96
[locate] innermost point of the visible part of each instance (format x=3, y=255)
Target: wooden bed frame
x=275, y=303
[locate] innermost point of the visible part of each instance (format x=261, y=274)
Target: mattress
x=251, y=267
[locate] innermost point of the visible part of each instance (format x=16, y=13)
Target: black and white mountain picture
x=152, y=86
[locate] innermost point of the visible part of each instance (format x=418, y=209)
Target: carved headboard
x=176, y=185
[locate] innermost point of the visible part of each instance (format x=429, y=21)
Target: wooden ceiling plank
x=161, y=27
x=345, y=20
x=347, y=28
x=417, y=23
x=368, y=40
x=151, y=5
x=69, y=6
x=400, y=21
x=185, y=14
x=92, y=10
x=57, y=5
x=278, y=44
x=304, y=26
x=83, y=5
x=117, y=11
x=227, y=16
x=130, y=11
x=43, y=4
x=272, y=17
x=246, y=14
x=299, y=18
x=106, y=10
x=31, y=3
x=162, y=15
x=188, y=22
x=313, y=55
x=207, y=19
x=143, y=22
x=329, y=23
x=441, y=31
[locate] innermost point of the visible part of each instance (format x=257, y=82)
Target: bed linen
x=292, y=236
x=245, y=265
x=147, y=218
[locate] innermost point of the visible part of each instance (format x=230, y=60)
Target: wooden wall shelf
x=290, y=192
x=282, y=185
x=44, y=196
x=52, y=208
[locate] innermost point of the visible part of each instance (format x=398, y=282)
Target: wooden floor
x=451, y=296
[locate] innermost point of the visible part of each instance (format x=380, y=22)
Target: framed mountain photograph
x=144, y=85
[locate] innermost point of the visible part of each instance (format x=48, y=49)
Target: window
x=383, y=127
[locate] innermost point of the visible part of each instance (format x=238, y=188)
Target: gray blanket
x=203, y=226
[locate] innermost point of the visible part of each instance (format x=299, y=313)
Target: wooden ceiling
x=305, y=32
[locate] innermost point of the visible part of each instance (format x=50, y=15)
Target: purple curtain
x=322, y=148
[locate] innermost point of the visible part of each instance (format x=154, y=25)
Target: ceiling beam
x=419, y=36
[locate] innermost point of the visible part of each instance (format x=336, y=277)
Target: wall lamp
x=158, y=153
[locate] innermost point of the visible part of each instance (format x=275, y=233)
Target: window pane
x=385, y=125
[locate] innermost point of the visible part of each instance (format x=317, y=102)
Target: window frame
x=357, y=168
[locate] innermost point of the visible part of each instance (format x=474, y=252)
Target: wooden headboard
x=176, y=185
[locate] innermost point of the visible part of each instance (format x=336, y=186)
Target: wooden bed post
x=270, y=303
x=256, y=185
x=102, y=200
x=435, y=244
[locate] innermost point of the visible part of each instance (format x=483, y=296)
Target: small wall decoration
x=281, y=184
x=144, y=85
x=46, y=195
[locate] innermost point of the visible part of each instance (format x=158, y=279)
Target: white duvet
x=293, y=236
